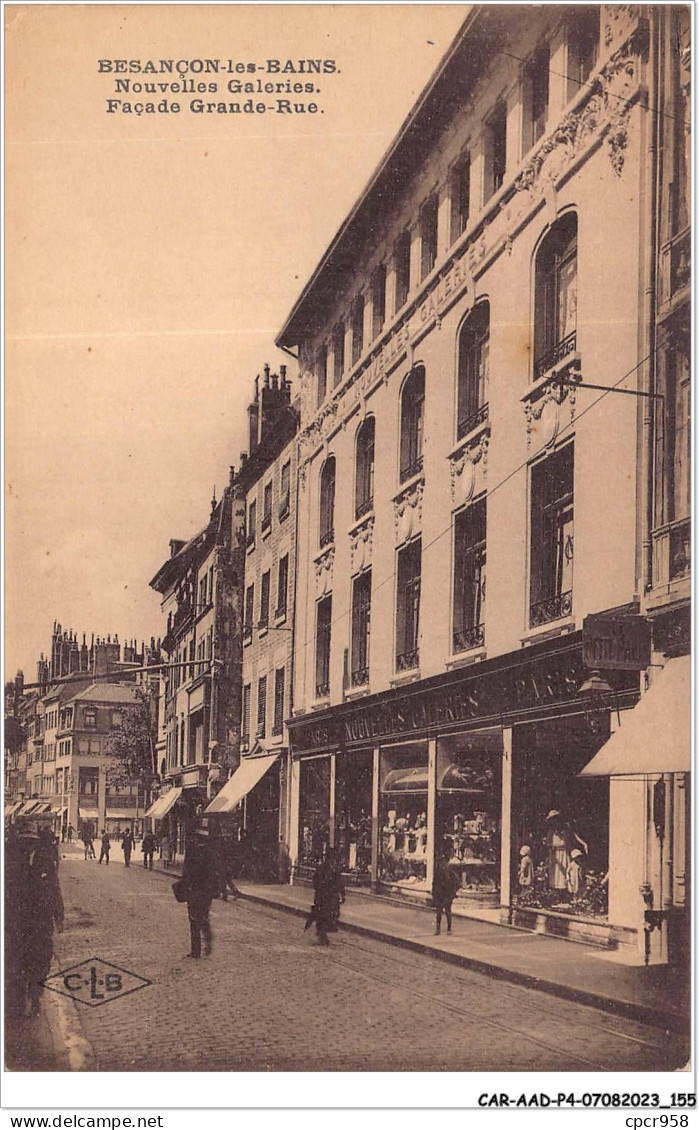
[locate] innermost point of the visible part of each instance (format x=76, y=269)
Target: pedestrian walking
x=222, y=849
x=127, y=846
x=525, y=874
x=71, y=830
x=445, y=884
x=64, y=832
x=43, y=910
x=200, y=884
x=148, y=847
x=165, y=850
x=104, y=847
x=87, y=843
x=329, y=894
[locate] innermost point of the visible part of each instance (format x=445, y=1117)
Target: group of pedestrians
x=33, y=908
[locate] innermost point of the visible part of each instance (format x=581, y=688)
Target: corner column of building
x=431, y=808
x=294, y=784
x=331, y=806
x=375, y=829
x=506, y=819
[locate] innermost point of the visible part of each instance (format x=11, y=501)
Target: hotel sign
x=616, y=643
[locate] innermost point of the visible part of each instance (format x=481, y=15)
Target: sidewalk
x=657, y=995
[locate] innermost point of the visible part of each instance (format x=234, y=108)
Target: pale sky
x=150, y=261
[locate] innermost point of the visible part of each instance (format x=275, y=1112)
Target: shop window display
x=560, y=821
x=314, y=810
x=353, y=785
x=403, y=819
x=468, y=811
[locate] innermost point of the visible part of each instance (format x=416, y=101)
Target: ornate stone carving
x=544, y=412
x=407, y=511
x=467, y=468
x=617, y=21
x=324, y=571
x=361, y=544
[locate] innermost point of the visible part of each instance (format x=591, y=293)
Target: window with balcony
x=261, y=707
x=473, y=363
x=361, y=627
x=556, y=295
x=324, y=609
x=672, y=527
x=278, y=721
x=408, y=606
x=582, y=46
x=412, y=416
x=378, y=300
x=535, y=94
x=429, y=231
x=321, y=374
x=364, y=480
x=249, y=615
x=460, y=196
x=285, y=491
x=495, y=148
x=266, y=508
x=252, y=522
x=264, y=601
x=327, y=502
x=245, y=714
x=401, y=268
x=551, y=561
x=469, y=578
x=338, y=353
x=282, y=586
x=357, y=328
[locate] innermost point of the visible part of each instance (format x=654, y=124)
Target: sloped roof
x=109, y=692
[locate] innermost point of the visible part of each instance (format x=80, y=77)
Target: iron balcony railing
x=327, y=537
x=467, y=638
x=408, y=660
x=551, y=608
x=474, y=420
x=364, y=507
x=411, y=469
x=555, y=354
x=322, y=690
x=360, y=677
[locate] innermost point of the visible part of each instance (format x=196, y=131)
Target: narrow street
x=270, y=999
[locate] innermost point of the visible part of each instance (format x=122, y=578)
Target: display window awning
x=41, y=809
x=249, y=772
x=88, y=813
x=27, y=807
x=163, y=804
x=10, y=809
x=413, y=779
x=654, y=737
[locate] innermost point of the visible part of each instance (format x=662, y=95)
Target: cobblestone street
x=269, y=999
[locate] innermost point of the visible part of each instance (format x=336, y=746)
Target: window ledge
x=356, y=692
x=410, y=485
x=470, y=439
x=465, y=658
x=548, y=631
x=262, y=632
x=360, y=523
x=413, y=676
x=264, y=534
x=250, y=547
x=320, y=703
x=279, y=618
x=557, y=372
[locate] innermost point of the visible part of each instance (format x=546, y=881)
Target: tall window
x=267, y=507
x=264, y=601
x=364, y=484
x=357, y=328
x=327, y=502
x=460, y=196
x=324, y=609
x=261, y=707
x=556, y=294
x=278, y=720
x=285, y=491
x=474, y=352
x=583, y=46
x=321, y=375
x=469, y=577
x=412, y=413
x=338, y=353
x=252, y=521
x=361, y=626
x=429, y=220
x=551, y=588
x=681, y=118
x=282, y=586
x=536, y=96
x=249, y=612
x=673, y=449
x=408, y=606
x=495, y=150
x=401, y=266
x=245, y=720
x=378, y=300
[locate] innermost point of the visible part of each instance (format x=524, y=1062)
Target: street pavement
x=270, y=999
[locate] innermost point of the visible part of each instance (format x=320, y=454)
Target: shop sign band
x=616, y=643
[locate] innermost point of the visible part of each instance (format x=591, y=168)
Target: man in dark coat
x=329, y=893
x=148, y=847
x=43, y=909
x=104, y=847
x=201, y=882
x=445, y=884
x=127, y=847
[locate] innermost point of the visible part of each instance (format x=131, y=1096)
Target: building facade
x=457, y=361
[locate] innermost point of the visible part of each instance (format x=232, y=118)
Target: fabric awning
x=654, y=737
x=116, y=815
x=11, y=808
x=163, y=804
x=43, y=807
x=27, y=807
x=88, y=813
x=249, y=772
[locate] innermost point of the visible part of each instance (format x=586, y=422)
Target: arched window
x=364, y=480
x=474, y=350
x=412, y=412
x=556, y=295
x=327, y=502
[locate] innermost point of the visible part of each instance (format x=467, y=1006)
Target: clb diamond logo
x=95, y=982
